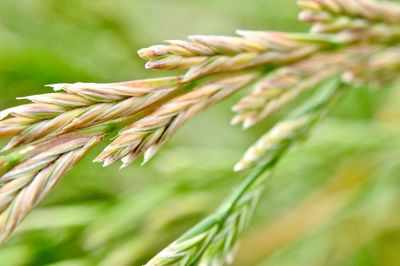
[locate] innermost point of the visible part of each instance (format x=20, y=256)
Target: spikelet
x=371, y=10
x=353, y=20
x=380, y=69
x=185, y=251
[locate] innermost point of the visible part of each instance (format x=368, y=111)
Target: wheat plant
x=351, y=42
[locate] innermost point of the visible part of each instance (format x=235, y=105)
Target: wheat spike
x=286, y=84
x=205, y=55
x=81, y=105
x=214, y=240
x=23, y=187
x=290, y=130
x=278, y=135
x=222, y=249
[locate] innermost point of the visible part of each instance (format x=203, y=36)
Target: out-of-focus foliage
x=333, y=201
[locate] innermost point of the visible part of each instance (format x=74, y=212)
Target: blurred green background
x=333, y=201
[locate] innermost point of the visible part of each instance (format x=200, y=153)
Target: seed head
x=205, y=55
x=81, y=105
x=26, y=184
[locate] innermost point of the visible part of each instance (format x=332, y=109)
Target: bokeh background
x=334, y=200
